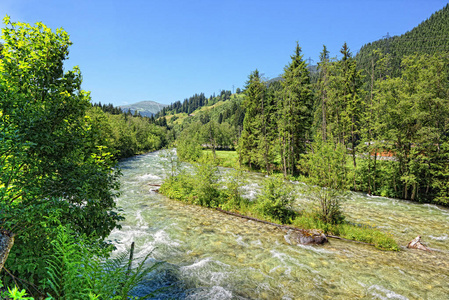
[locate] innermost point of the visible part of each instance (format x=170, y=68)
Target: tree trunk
x=374, y=170
x=302, y=236
x=6, y=243
x=283, y=156
x=369, y=169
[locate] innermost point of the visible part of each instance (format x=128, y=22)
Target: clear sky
x=165, y=51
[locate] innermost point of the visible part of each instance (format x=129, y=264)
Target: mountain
x=429, y=37
x=144, y=108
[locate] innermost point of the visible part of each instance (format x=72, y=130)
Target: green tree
x=60, y=172
x=413, y=119
x=276, y=199
x=188, y=145
x=255, y=144
x=322, y=92
x=295, y=112
x=351, y=100
x=325, y=166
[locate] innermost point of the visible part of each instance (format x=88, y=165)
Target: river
x=211, y=255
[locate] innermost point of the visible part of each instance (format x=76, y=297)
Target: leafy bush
x=231, y=196
x=206, y=185
x=276, y=199
x=179, y=187
x=325, y=165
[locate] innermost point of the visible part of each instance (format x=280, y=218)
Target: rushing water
x=210, y=255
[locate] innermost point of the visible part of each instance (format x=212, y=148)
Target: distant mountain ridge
x=144, y=108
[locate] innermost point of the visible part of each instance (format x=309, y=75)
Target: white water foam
x=161, y=237
x=196, y=265
x=286, y=260
x=379, y=292
x=215, y=293
x=316, y=249
x=444, y=237
x=141, y=223
x=256, y=243
x=208, y=272
x=444, y=211
x=148, y=177
x=202, y=263
x=250, y=190
x=240, y=241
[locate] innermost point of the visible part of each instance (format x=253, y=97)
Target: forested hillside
x=429, y=37
x=192, y=103
x=394, y=128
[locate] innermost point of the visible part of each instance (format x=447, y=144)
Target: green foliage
x=188, y=149
x=390, y=99
x=170, y=162
x=129, y=135
x=76, y=270
x=179, y=187
x=276, y=199
x=429, y=37
x=273, y=203
x=294, y=112
x=412, y=122
x=15, y=294
x=200, y=187
x=188, y=145
x=79, y=269
x=231, y=194
x=356, y=232
x=227, y=159
x=440, y=172
x=325, y=165
x=254, y=144
x=54, y=167
x=206, y=184
x=188, y=106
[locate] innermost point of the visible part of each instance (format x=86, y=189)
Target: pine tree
x=322, y=90
x=254, y=144
x=295, y=112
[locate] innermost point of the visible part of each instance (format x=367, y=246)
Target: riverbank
x=212, y=255
x=230, y=159
x=203, y=187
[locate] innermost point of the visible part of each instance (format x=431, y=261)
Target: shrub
x=325, y=165
x=276, y=199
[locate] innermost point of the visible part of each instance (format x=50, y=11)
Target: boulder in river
x=307, y=237
x=417, y=244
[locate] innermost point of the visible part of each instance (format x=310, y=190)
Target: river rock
x=416, y=244
x=307, y=237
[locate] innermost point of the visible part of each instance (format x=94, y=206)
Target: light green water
x=210, y=255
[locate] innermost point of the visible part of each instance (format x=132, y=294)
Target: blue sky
x=165, y=51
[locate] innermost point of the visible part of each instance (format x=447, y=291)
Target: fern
x=76, y=271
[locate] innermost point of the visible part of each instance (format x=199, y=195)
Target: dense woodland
x=125, y=134
x=392, y=118
x=394, y=128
